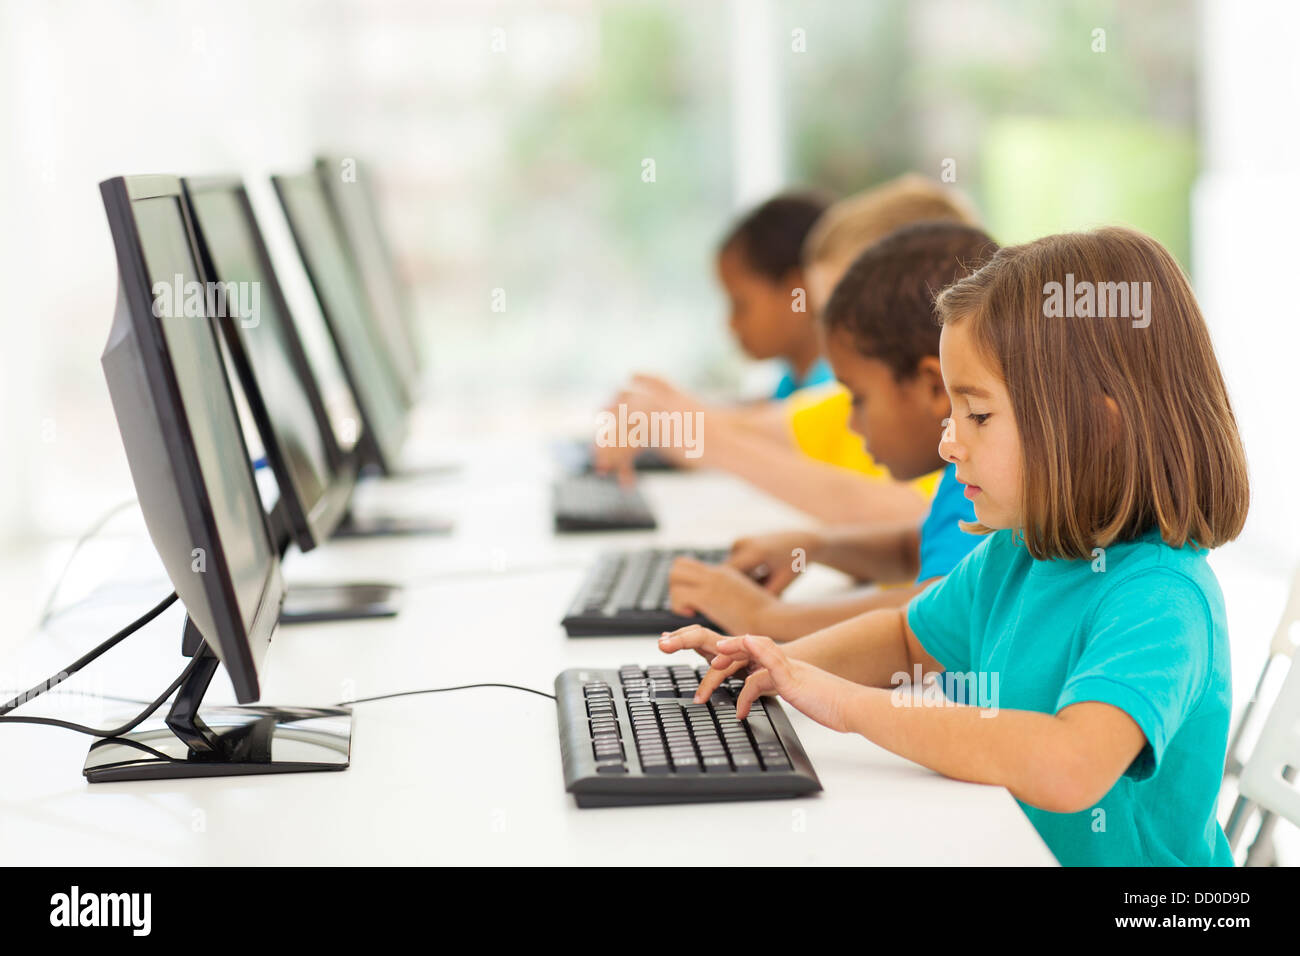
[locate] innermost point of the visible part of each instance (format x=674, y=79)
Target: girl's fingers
x=756, y=685
x=720, y=668
x=764, y=652
x=730, y=645
x=691, y=637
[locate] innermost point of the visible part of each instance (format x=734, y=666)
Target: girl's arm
x=1062, y=762
x=868, y=649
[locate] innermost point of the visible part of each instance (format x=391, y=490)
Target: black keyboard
x=634, y=736
x=627, y=593
x=598, y=503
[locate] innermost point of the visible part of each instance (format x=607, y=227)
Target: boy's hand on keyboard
x=721, y=593
x=809, y=689
x=775, y=558
x=645, y=396
x=615, y=459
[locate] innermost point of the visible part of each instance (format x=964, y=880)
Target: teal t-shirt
x=1141, y=627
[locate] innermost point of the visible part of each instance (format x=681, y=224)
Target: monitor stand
x=311, y=603
x=222, y=741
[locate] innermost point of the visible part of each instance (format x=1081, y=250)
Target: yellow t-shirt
x=819, y=418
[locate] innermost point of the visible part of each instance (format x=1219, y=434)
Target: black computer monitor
x=284, y=400
x=271, y=364
x=195, y=484
x=371, y=371
x=351, y=192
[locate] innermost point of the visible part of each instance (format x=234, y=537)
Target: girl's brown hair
x=1171, y=458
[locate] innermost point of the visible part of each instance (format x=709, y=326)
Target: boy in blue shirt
x=1102, y=456
x=883, y=343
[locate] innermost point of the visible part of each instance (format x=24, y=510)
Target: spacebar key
x=762, y=729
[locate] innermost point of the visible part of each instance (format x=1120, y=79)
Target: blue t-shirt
x=943, y=543
x=819, y=374
x=1141, y=627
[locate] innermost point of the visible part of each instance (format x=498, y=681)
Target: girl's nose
x=949, y=450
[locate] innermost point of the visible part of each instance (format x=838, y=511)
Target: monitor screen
x=254, y=313
x=350, y=190
x=196, y=359
x=374, y=380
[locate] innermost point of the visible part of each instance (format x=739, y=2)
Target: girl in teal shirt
x=1097, y=443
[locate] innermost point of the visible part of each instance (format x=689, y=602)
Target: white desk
x=469, y=776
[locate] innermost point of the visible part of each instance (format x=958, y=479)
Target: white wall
x=1246, y=239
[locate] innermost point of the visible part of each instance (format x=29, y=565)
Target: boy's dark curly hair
x=885, y=301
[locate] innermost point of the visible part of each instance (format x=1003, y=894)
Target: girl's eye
x=857, y=401
x=979, y=419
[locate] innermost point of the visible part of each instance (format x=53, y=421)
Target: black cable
x=115, y=731
x=442, y=690
x=86, y=658
x=363, y=700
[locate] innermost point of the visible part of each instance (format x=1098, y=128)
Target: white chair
x=1265, y=778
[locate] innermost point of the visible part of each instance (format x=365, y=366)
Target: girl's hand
x=771, y=557
x=699, y=639
x=810, y=690
x=722, y=594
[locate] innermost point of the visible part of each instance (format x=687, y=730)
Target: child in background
x=817, y=420
x=883, y=341
x=1103, y=459
x=760, y=269
x=787, y=448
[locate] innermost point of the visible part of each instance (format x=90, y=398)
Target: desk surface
x=470, y=777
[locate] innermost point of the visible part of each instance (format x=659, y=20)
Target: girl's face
x=762, y=315
x=981, y=438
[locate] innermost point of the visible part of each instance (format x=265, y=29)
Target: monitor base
x=248, y=740
x=309, y=603
x=382, y=526
x=422, y=471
